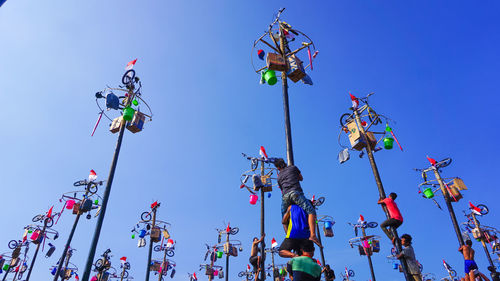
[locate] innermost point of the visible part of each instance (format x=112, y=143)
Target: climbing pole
x=357, y=125
x=132, y=119
x=281, y=58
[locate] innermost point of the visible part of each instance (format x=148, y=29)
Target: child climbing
x=297, y=231
x=255, y=258
x=289, y=178
x=395, y=218
x=470, y=264
x=409, y=255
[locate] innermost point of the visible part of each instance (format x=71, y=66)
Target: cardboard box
x=296, y=69
x=276, y=62
x=375, y=246
x=454, y=194
x=115, y=125
x=356, y=139
x=459, y=184
x=76, y=208
x=267, y=185
x=137, y=122
x=155, y=234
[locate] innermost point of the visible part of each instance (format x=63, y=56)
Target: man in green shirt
x=304, y=267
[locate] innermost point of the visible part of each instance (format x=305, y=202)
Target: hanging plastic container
x=219, y=254
x=253, y=199
x=142, y=233
x=70, y=204
x=128, y=113
x=328, y=224
x=261, y=54
x=395, y=265
x=428, y=193
x=5, y=267
x=365, y=244
x=53, y=271
x=388, y=142
x=282, y=271
x=270, y=77
x=216, y=272
x=133, y=236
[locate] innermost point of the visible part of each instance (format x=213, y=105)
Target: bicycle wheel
x=98, y=264
x=372, y=224
x=49, y=222
x=19, y=276
x=128, y=77
x=443, y=163
x=453, y=273
x=170, y=253
x=484, y=209
x=234, y=230
x=318, y=202
x=80, y=183
x=37, y=218
x=157, y=248
x=12, y=244
x=255, y=164
x=241, y=274
x=351, y=273
x=146, y=216
x=125, y=274
x=346, y=118
x=92, y=188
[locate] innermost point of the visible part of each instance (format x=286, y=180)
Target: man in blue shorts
x=470, y=264
x=289, y=178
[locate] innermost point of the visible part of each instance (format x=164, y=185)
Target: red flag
x=228, y=229
x=263, y=153
x=123, y=259
x=355, y=101
x=49, y=213
x=154, y=204
x=274, y=243
x=194, y=275
x=433, y=161
x=475, y=209
x=92, y=175
x=130, y=64
x=248, y=267
x=361, y=219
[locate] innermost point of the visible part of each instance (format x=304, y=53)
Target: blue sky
x=432, y=65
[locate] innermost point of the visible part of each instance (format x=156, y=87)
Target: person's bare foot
x=315, y=240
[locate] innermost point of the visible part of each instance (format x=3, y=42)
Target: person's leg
x=384, y=226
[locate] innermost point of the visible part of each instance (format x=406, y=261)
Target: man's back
x=468, y=252
x=304, y=268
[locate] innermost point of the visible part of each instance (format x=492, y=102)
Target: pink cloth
x=393, y=209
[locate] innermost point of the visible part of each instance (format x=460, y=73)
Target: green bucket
x=388, y=142
x=219, y=254
x=128, y=113
x=270, y=77
x=282, y=272
x=6, y=267
x=428, y=193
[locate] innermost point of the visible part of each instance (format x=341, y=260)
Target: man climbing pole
x=255, y=259
x=470, y=264
x=297, y=231
x=396, y=219
x=409, y=254
x=304, y=267
x=289, y=178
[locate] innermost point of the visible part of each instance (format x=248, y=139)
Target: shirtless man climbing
x=470, y=264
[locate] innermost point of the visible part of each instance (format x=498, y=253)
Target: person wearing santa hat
x=289, y=178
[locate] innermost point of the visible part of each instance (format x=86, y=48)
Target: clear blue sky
x=433, y=66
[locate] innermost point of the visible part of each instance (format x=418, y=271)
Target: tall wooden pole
x=381, y=191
